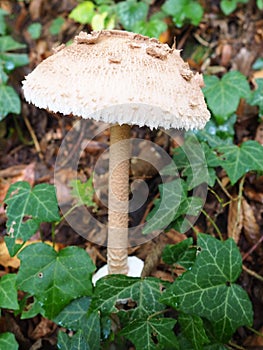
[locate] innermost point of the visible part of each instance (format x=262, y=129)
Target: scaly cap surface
x=119, y=77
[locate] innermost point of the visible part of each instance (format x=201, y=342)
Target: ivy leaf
x=83, y=192
x=216, y=135
x=256, y=98
x=56, y=25
x=34, y=29
x=9, y=101
x=193, y=329
x=172, y=194
x=183, y=10
x=55, y=278
x=3, y=75
x=83, y=12
x=115, y=290
x=153, y=28
x=91, y=330
x=197, y=161
x=8, y=341
x=72, y=316
x=237, y=161
x=76, y=342
x=14, y=60
x=223, y=95
x=152, y=333
x=130, y=12
x=228, y=6
x=27, y=207
x=32, y=310
x=75, y=317
x=208, y=289
x=185, y=344
x=8, y=292
x=180, y=253
x=3, y=13
x=7, y=43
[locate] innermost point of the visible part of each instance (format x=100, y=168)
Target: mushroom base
x=135, y=267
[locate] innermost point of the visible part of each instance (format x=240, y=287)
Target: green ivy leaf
x=56, y=25
x=216, y=135
x=83, y=12
x=83, y=192
x=197, y=161
x=8, y=341
x=3, y=13
x=32, y=310
x=14, y=60
x=92, y=331
x=193, y=329
x=166, y=209
x=8, y=292
x=7, y=43
x=34, y=30
x=130, y=12
x=229, y=6
x=237, y=161
x=151, y=334
x=9, y=101
x=183, y=11
x=55, y=278
x=208, y=289
x=114, y=290
x=256, y=98
x=27, y=207
x=223, y=95
x=153, y=28
x=3, y=75
x=76, y=342
x=73, y=315
x=185, y=344
x=180, y=253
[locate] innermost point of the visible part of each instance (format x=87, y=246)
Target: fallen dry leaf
x=44, y=328
x=251, y=227
x=235, y=219
x=13, y=174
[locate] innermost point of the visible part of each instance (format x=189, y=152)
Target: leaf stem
x=223, y=188
x=220, y=200
x=66, y=214
x=213, y=223
x=157, y=313
x=252, y=273
x=255, y=331
x=235, y=346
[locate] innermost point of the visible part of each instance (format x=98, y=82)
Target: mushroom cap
x=119, y=77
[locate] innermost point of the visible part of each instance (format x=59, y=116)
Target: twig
x=255, y=331
x=252, y=273
x=253, y=248
x=223, y=188
x=33, y=136
x=235, y=346
x=213, y=223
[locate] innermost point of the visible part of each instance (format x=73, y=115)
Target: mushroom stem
x=118, y=199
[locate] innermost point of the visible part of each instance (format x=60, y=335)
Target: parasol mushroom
x=103, y=75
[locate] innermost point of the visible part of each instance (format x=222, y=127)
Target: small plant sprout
x=124, y=79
